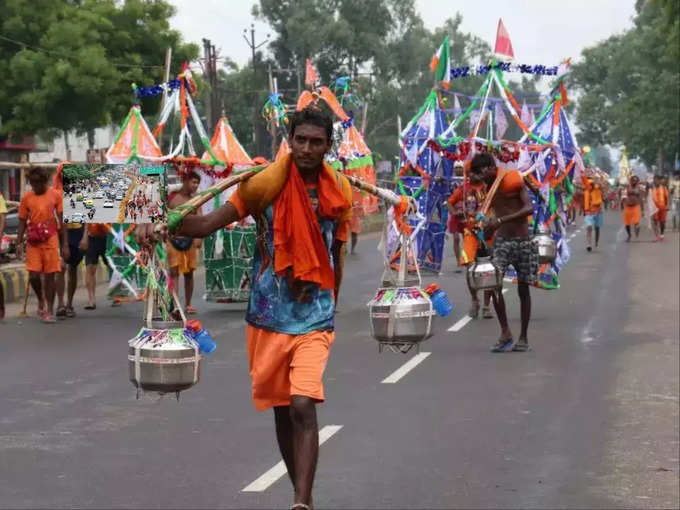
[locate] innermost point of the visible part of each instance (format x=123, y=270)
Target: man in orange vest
x=592, y=203
x=661, y=198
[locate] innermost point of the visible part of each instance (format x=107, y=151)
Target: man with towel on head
x=302, y=208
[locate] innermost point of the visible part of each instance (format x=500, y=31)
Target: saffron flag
x=503, y=48
x=441, y=64
x=311, y=76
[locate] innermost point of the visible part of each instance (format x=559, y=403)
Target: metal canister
x=547, y=249
x=484, y=275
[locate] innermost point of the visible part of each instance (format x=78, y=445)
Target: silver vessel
x=484, y=275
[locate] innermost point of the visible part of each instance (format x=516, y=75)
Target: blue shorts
x=595, y=220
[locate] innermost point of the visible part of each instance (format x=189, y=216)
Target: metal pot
x=547, y=249
x=406, y=319
x=484, y=275
x=165, y=368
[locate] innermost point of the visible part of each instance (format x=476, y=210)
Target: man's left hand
x=491, y=226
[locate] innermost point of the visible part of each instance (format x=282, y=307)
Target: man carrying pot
x=302, y=208
x=512, y=245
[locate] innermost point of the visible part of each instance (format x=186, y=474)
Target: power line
x=67, y=55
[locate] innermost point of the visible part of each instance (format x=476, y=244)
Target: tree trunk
x=90, y=139
x=67, y=146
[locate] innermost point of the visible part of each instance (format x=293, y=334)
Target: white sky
x=541, y=32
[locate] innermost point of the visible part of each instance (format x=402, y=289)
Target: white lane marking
x=460, y=324
x=463, y=322
x=405, y=368
x=271, y=476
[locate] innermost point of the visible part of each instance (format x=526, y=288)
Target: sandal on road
x=48, y=318
x=70, y=312
x=190, y=310
x=521, y=347
x=503, y=345
x=486, y=313
x=90, y=307
x=61, y=312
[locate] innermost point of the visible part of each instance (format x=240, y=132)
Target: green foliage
x=76, y=173
x=630, y=85
x=80, y=59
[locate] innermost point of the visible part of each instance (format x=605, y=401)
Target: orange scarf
x=298, y=243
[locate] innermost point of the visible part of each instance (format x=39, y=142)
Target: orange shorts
x=283, y=365
x=185, y=261
x=631, y=215
x=661, y=215
x=355, y=224
x=43, y=258
x=469, y=248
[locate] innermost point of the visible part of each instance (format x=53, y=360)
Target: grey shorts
x=521, y=253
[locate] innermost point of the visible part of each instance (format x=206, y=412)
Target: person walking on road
x=76, y=240
x=512, y=245
x=94, y=247
x=183, y=251
x=661, y=199
x=303, y=208
x=40, y=219
x=464, y=204
x=675, y=199
x=633, y=203
x=3, y=214
x=592, y=203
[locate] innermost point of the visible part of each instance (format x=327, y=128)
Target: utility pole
x=210, y=70
x=273, y=89
x=253, y=48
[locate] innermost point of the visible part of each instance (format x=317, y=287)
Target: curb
x=14, y=280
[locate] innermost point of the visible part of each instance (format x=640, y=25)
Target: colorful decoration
x=275, y=110
x=503, y=46
x=441, y=64
x=134, y=142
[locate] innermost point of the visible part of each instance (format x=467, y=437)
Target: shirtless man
x=512, y=245
x=183, y=251
x=633, y=205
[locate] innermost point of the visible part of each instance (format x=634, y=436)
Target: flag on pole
x=500, y=120
x=311, y=76
x=457, y=110
x=441, y=64
x=524, y=116
x=503, y=48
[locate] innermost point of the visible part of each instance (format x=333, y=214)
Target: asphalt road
x=588, y=419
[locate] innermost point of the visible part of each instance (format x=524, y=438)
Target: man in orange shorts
x=40, y=218
x=183, y=251
x=302, y=209
x=661, y=198
x=467, y=201
x=632, y=205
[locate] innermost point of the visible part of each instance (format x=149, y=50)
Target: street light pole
x=253, y=47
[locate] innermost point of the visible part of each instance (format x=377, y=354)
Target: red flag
x=503, y=47
x=311, y=76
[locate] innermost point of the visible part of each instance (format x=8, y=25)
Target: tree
x=69, y=64
x=630, y=86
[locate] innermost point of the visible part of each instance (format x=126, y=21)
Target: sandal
x=301, y=506
x=90, y=307
x=190, y=310
x=61, y=312
x=503, y=345
x=70, y=312
x=486, y=313
x=48, y=318
x=521, y=347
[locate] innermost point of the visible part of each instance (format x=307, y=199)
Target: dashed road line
x=271, y=476
x=405, y=368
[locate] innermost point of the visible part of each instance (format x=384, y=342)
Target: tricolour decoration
x=503, y=47
x=134, y=142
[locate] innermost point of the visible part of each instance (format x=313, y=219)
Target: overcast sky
x=541, y=32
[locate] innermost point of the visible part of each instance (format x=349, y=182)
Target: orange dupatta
x=298, y=243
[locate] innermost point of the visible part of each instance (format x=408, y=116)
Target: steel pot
x=484, y=275
x=407, y=318
x=547, y=249
x=166, y=366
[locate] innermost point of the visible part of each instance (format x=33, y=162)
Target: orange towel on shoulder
x=298, y=243
x=512, y=182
